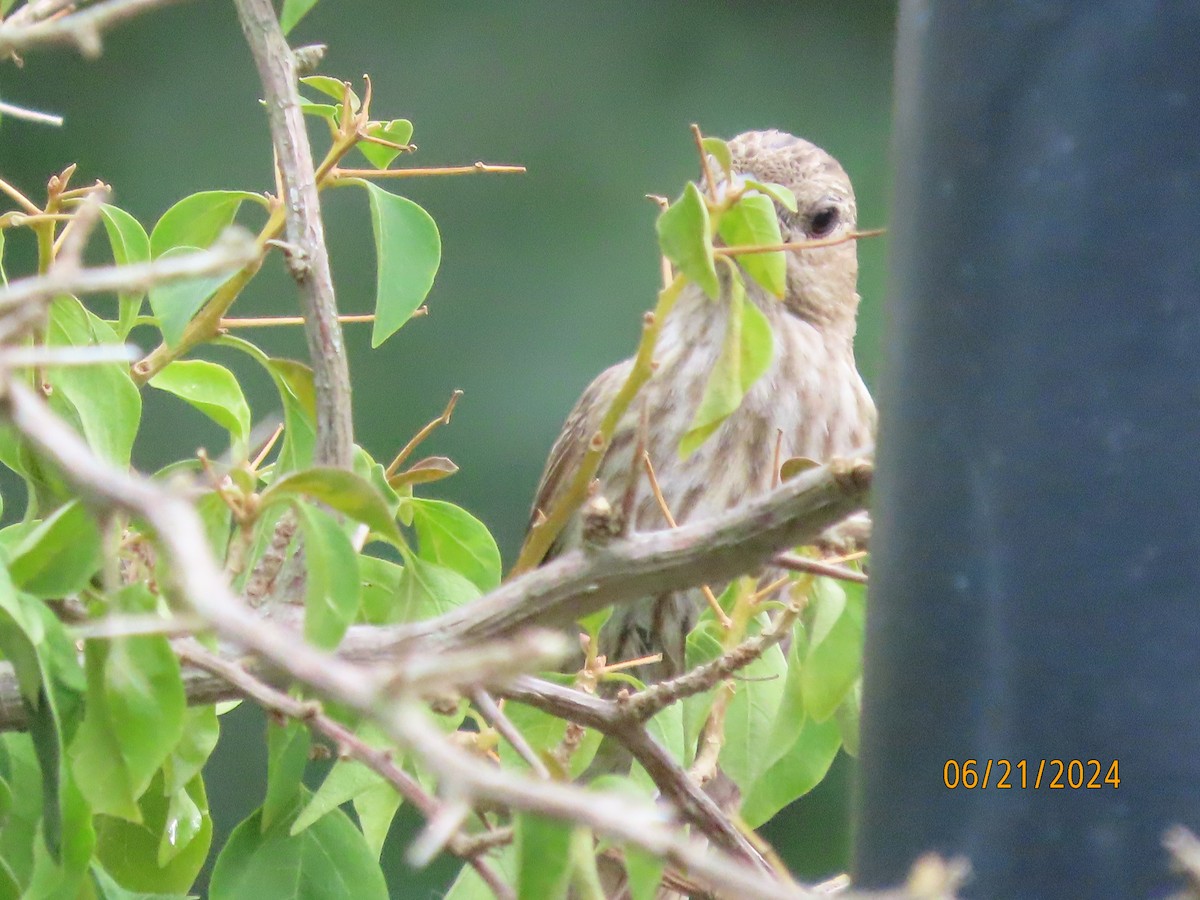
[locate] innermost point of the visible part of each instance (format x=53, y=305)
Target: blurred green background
x=544, y=275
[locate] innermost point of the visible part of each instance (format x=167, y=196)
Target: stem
x=473, y=169
x=799, y=245
x=206, y=323
x=541, y=537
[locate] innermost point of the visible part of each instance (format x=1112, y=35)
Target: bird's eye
x=823, y=222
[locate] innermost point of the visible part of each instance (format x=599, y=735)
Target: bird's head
x=821, y=283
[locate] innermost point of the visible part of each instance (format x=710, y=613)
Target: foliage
x=104, y=795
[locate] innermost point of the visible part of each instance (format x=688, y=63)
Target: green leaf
x=163, y=853
x=719, y=150
x=376, y=808
x=213, y=390
x=685, y=236
x=751, y=222
x=129, y=244
x=848, y=715
x=345, y=781
x=329, y=859
x=380, y=581
x=795, y=774
x=398, y=131
x=174, y=303
x=344, y=491
x=196, y=220
x=22, y=816
x=644, y=871
x=409, y=250
x=777, y=192
x=750, y=717
x=201, y=730
x=21, y=633
x=543, y=862
x=333, y=589
x=703, y=645
x=834, y=659
x=134, y=717
x=365, y=467
x=297, y=393
x=745, y=357
x=102, y=399
x=59, y=556
x=47, y=669
x=293, y=12
x=452, y=537
x=322, y=110
x=287, y=757
x=331, y=87
x=427, y=590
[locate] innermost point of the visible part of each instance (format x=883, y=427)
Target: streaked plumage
x=812, y=393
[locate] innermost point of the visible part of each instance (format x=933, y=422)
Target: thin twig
x=117, y=626
x=46, y=356
x=815, y=244
x=794, y=563
x=29, y=115
x=709, y=597
x=21, y=302
x=709, y=181
x=491, y=711
x=542, y=535
x=25, y=203
x=430, y=427
x=232, y=322
x=610, y=717
x=231, y=251
x=473, y=169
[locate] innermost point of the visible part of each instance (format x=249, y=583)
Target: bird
x=811, y=402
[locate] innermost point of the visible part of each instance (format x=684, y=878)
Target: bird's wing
x=577, y=431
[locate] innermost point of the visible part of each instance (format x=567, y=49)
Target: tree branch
x=309, y=260
x=561, y=591
x=348, y=744
x=579, y=582
x=21, y=301
x=83, y=29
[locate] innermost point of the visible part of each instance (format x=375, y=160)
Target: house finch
x=812, y=397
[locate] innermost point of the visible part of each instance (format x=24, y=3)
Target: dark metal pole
x=1036, y=568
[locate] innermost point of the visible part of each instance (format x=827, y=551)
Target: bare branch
x=82, y=29
x=794, y=563
x=673, y=781
x=21, y=301
x=582, y=581
x=577, y=582
x=349, y=745
x=30, y=115
x=617, y=817
x=494, y=715
x=232, y=250
x=305, y=231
